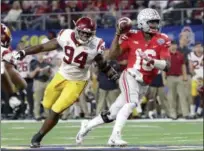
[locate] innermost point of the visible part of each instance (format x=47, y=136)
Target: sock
x=95, y=122
x=122, y=117
x=192, y=109
x=48, y=124
x=199, y=110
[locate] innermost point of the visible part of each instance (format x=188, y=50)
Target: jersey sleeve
x=165, y=53
x=62, y=35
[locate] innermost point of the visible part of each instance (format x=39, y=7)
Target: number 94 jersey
x=77, y=58
x=157, y=48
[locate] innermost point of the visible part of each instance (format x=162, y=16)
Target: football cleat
x=82, y=132
x=35, y=142
x=35, y=145
x=115, y=140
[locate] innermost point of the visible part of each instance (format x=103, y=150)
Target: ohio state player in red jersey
x=147, y=54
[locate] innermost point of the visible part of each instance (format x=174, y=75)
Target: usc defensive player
x=81, y=48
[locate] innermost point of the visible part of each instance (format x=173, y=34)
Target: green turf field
x=136, y=133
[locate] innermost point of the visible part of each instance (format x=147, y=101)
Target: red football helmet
x=5, y=36
x=85, y=30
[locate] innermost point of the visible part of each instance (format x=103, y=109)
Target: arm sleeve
x=164, y=52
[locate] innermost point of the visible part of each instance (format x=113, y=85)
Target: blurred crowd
x=171, y=95
x=13, y=12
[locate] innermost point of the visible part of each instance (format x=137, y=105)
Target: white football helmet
x=148, y=20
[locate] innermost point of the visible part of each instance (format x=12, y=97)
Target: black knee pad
x=104, y=115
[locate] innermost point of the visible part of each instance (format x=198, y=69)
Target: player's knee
x=53, y=115
x=46, y=104
x=106, y=117
x=130, y=106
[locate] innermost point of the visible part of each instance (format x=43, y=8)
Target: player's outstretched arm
x=105, y=67
x=115, y=49
x=123, y=26
x=48, y=46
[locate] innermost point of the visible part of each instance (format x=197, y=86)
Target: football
x=125, y=24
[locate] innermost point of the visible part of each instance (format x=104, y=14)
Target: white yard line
x=129, y=121
x=164, y=137
x=12, y=139
x=78, y=126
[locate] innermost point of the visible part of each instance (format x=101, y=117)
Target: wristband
x=160, y=64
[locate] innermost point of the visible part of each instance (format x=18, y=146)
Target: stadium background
x=37, y=18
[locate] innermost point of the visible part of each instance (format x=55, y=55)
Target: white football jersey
x=77, y=58
x=197, y=61
x=4, y=51
x=198, y=66
x=23, y=66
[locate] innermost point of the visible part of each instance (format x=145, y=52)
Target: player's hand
x=113, y=74
x=145, y=56
x=19, y=55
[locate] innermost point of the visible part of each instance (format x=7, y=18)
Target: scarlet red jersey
x=156, y=48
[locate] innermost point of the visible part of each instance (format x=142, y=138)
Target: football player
x=81, y=48
x=196, y=68
x=148, y=53
x=12, y=82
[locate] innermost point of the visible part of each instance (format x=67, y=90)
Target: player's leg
x=132, y=91
x=68, y=96
x=112, y=96
x=102, y=94
x=6, y=83
x=200, y=89
x=151, y=104
x=164, y=102
x=51, y=94
x=182, y=97
x=17, y=80
x=103, y=117
x=194, y=94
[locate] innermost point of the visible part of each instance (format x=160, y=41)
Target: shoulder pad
x=164, y=40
